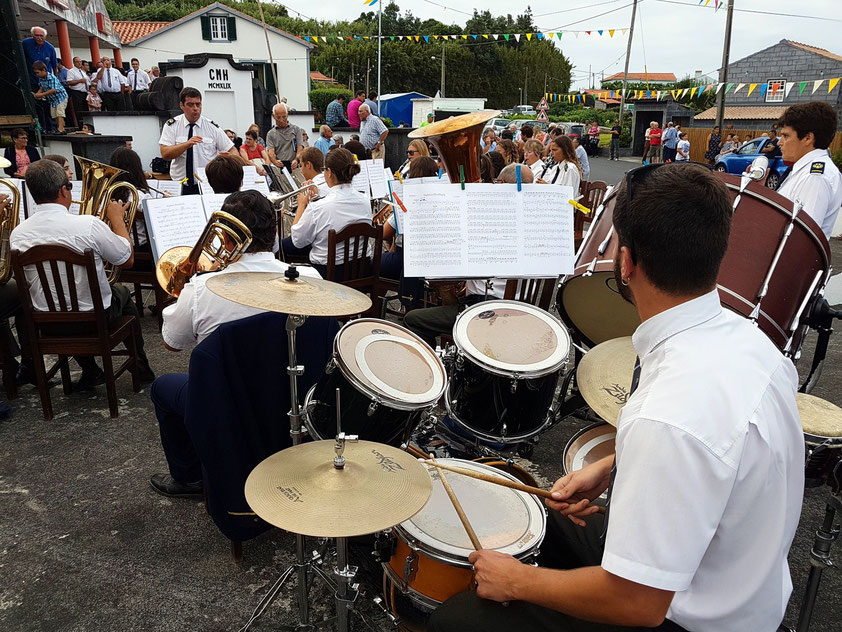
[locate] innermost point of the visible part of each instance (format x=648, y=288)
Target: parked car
x=499, y=124
x=524, y=110
x=575, y=130
x=738, y=161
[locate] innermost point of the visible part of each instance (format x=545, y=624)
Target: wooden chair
x=592, y=195
x=360, y=268
x=142, y=276
x=89, y=334
x=538, y=292
x=7, y=366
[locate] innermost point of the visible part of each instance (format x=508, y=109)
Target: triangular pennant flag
x=366, y=37
x=464, y=37
x=485, y=35
x=588, y=32
x=707, y=2
x=435, y=36
x=506, y=36
x=701, y=92
x=576, y=33
x=624, y=31
x=392, y=37
x=648, y=94
x=417, y=38
x=551, y=35
x=426, y=38
x=719, y=87
x=474, y=36
x=611, y=32
x=683, y=92
x=558, y=35
x=517, y=37
x=529, y=37
x=739, y=87
x=801, y=86
x=775, y=87
x=400, y=37
x=600, y=32
x=540, y=36
x=728, y=88
x=763, y=89
x=693, y=92
x=349, y=38
x=751, y=88
x=674, y=93
x=816, y=84
x=307, y=37
x=831, y=84
x=658, y=95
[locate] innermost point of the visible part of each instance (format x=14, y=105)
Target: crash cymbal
x=604, y=377
x=273, y=292
x=819, y=418
x=4, y=163
x=299, y=490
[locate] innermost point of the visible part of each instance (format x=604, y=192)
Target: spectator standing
x=93, y=99
x=53, y=91
x=655, y=143
x=354, y=108
x=646, y=144
x=61, y=73
x=430, y=118
x=373, y=132
x=772, y=150
x=683, y=148
x=20, y=155
x=582, y=157
x=670, y=140
x=614, y=147
x=109, y=83
x=714, y=142
x=728, y=146
x=154, y=73
x=371, y=102
x=325, y=140
x=285, y=141
x=37, y=48
x=334, y=116
x=138, y=81
x=77, y=89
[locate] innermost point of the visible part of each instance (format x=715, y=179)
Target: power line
x=591, y=17
x=587, y=6
x=757, y=11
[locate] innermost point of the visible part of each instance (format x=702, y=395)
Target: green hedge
x=321, y=97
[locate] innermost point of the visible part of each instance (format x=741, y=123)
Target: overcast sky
x=676, y=36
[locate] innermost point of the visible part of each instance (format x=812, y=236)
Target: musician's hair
x=535, y=146
x=420, y=146
x=676, y=226
x=314, y=156
x=225, y=173
x=510, y=149
x=567, y=150
x=526, y=131
x=816, y=116
x=189, y=93
x=128, y=160
x=254, y=210
x=44, y=179
x=486, y=169
x=56, y=158
x=341, y=163
x=423, y=167
x=356, y=148
x=497, y=160
x=509, y=174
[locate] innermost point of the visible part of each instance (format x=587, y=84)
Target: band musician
x=197, y=313
x=706, y=484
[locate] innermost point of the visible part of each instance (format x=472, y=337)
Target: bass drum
x=388, y=379
x=761, y=249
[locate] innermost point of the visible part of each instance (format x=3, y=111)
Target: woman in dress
x=714, y=143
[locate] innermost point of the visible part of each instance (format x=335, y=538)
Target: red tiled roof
x=643, y=76
x=130, y=31
x=315, y=75
x=744, y=112
x=814, y=49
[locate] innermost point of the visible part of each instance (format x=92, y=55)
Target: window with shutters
x=219, y=28
x=775, y=90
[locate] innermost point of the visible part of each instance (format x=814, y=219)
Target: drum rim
x=815, y=440
x=483, y=361
x=428, y=604
x=417, y=544
x=377, y=396
x=305, y=409
x=494, y=438
x=578, y=434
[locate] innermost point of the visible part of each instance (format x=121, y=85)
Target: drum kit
x=504, y=382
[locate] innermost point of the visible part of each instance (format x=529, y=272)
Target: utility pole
x=723, y=71
x=367, y=71
x=545, y=83
x=590, y=77
x=352, y=77
x=626, y=71
x=442, y=69
x=526, y=87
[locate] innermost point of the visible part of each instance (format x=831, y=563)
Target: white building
x=221, y=29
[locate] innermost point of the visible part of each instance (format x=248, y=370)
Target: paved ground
x=85, y=544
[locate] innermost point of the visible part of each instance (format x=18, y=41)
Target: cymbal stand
x=346, y=590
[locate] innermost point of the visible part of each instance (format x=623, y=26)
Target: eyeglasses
x=411, y=152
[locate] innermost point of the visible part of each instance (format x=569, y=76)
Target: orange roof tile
x=814, y=49
x=643, y=76
x=744, y=112
x=315, y=75
x=130, y=31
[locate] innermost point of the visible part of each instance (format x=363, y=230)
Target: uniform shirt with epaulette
x=816, y=183
x=214, y=142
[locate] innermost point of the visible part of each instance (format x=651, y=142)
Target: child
x=683, y=150
x=94, y=100
x=52, y=90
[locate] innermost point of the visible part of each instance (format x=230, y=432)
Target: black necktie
x=635, y=381
x=190, y=182
x=135, y=81
x=109, y=77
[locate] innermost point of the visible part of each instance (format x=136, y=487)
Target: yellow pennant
x=551, y=35
x=529, y=37
x=674, y=94
x=435, y=36
x=751, y=88
x=485, y=35
x=315, y=39
x=611, y=32
x=417, y=37
x=832, y=84
x=693, y=92
x=464, y=37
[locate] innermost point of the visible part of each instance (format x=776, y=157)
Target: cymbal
x=819, y=417
x=273, y=292
x=299, y=490
x=4, y=163
x=604, y=377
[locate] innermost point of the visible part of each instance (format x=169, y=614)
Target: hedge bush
x=321, y=97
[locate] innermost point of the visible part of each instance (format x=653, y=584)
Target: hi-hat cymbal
x=273, y=292
x=604, y=377
x=299, y=489
x=819, y=418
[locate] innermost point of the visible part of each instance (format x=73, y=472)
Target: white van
x=525, y=110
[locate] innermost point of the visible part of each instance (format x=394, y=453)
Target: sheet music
x=213, y=203
x=487, y=230
x=77, y=193
x=249, y=176
x=376, y=178
x=396, y=188
x=290, y=180
x=174, y=222
x=389, y=174
x=26, y=201
x=165, y=186
x=360, y=181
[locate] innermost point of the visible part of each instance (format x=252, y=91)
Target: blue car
x=738, y=161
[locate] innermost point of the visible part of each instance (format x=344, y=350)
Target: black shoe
x=89, y=380
x=166, y=485
x=145, y=374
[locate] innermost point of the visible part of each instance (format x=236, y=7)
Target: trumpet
x=177, y=265
x=9, y=219
x=278, y=199
x=97, y=191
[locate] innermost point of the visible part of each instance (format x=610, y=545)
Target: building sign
x=218, y=79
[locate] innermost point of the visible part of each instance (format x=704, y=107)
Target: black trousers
x=113, y=101
x=10, y=308
x=565, y=546
x=169, y=396
x=79, y=103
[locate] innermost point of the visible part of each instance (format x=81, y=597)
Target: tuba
x=178, y=264
x=457, y=141
x=97, y=190
x=8, y=221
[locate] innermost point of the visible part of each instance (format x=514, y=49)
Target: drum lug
x=331, y=366
x=372, y=408
x=513, y=384
x=591, y=267
x=384, y=546
x=460, y=361
x=410, y=568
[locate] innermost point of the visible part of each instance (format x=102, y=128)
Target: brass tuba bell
x=8, y=222
x=97, y=191
x=457, y=141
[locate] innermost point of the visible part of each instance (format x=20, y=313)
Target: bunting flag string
x=538, y=35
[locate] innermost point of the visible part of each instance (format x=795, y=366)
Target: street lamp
x=520, y=96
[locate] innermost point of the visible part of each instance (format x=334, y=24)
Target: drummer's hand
x=496, y=574
x=572, y=494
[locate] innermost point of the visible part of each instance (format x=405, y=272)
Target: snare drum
x=508, y=361
x=430, y=561
x=387, y=379
x=821, y=423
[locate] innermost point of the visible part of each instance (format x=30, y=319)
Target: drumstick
x=497, y=480
x=456, y=504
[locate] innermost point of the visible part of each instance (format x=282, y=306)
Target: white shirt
x=75, y=73
x=562, y=173
x=198, y=312
x=816, y=183
x=214, y=142
x=341, y=207
x=117, y=80
x=319, y=181
x=537, y=167
x=683, y=146
x=474, y=287
x=710, y=470
x=584, y=161
x=142, y=82
x=55, y=225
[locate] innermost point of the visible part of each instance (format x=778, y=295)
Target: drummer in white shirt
x=807, y=130
x=341, y=207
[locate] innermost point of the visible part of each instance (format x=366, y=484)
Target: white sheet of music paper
x=213, y=203
x=165, y=186
x=376, y=178
x=27, y=202
x=171, y=222
x=289, y=179
x=396, y=189
x=389, y=174
x=360, y=181
x=487, y=230
x=77, y=193
x=252, y=181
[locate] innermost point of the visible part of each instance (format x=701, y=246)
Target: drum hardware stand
x=821, y=319
x=764, y=289
x=796, y=320
x=826, y=535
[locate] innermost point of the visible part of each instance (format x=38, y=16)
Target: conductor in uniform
x=807, y=130
x=191, y=141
